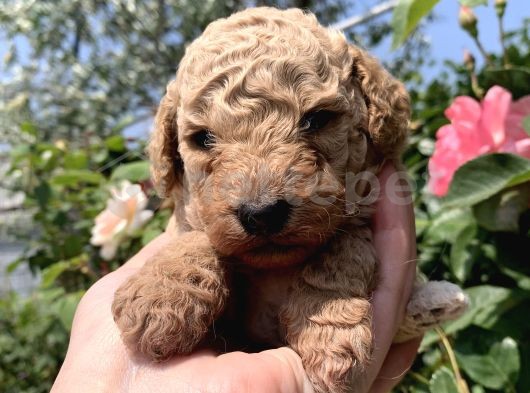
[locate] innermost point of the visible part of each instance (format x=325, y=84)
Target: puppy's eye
x=203, y=139
x=316, y=120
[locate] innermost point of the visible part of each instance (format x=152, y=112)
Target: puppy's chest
x=265, y=292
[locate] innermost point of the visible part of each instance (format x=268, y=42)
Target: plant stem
x=461, y=383
x=501, y=38
x=418, y=377
x=482, y=51
x=477, y=90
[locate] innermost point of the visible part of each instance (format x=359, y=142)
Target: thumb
x=288, y=368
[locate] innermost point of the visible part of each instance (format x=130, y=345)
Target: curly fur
x=249, y=79
x=169, y=305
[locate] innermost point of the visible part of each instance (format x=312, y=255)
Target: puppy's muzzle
x=264, y=220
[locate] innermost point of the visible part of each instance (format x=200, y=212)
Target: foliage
x=105, y=65
x=96, y=67
x=407, y=16
x=33, y=339
x=65, y=188
x=476, y=236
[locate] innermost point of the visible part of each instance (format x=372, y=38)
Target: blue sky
x=448, y=40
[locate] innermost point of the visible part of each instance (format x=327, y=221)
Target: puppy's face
x=265, y=158
x=265, y=122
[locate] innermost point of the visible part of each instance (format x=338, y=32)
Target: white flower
x=123, y=215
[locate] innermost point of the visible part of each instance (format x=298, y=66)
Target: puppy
x=257, y=141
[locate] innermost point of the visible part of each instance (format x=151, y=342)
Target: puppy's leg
x=431, y=303
x=168, y=306
x=328, y=316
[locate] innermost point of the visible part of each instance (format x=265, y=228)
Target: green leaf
x=522, y=280
x=489, y=303
x=516, y=79
x=50, y=274
x=149, y=234
x=76, y=160
x=483, y=177
x=526, y=124
x=99, y=156
x=28, y=128
x=501, y=211
x=473, y=3
x=115, y=143
x=496, y=369
x=51, y=294
x=72, y=246
x=443, y=381
x=18, y=153
x=462, y=254
x=406, y=17
x=477, y=389
x=446, y=225
x=123, y=123
x=65, y=308
x=134, y=172
x=12, y=266
x=42, y=194
x=73, y=177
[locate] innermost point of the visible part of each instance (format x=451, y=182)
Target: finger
x=274, y=371
x=103, y=290
x=395, y=243
x=398, y=361
x=290, y=368
x=100, y=295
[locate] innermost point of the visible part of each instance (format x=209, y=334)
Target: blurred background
x=80, y=81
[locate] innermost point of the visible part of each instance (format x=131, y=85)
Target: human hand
x=97, y=360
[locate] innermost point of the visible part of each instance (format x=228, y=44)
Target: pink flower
x=494, y=125
x=124, y=214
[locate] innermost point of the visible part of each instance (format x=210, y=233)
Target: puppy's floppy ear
x=387, y=102
x=167, y=168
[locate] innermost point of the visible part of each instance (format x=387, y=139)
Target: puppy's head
x=269, y=114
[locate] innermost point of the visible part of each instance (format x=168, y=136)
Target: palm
x=97, y=360
x=104, y=358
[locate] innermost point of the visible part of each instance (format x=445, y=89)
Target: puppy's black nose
x=264, y=220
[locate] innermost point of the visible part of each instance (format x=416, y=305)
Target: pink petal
x=522, y=147
x=476, y=129
x=464, y=107
x=106, y=221
x=495, y=107
x=448, y=156
x=514, y=121
x=521, y=106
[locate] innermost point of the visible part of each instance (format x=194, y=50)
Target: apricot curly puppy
x=257, y=141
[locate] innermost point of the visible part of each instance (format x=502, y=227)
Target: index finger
x=394, y=239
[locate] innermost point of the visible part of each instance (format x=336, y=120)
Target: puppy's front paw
x=168, y=306
x=431, y=304
x=334, y=341
x=157, y=319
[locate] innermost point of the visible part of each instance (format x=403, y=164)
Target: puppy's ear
x=387, y=102
x=167, y=168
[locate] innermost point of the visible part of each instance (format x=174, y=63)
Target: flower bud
x=60, y=144
x=469, y=60
x=500, y=7
x=468, y=20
